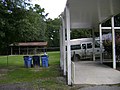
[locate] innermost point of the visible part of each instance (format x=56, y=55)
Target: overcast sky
x=53, y=7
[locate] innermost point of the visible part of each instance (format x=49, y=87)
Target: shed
x=27, y=47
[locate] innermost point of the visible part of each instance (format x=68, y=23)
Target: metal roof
x=89, y=13
x=30, y=44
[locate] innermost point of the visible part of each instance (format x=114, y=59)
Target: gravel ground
x=19, y=86
x=30, y=86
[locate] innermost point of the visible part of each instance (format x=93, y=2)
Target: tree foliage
x=108, y=22
x=80, y=33
x=20, y=24
x=52, y=33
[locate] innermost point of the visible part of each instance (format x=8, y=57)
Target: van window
x=89, y=45
x=75, y=47
x=84, y=46
x=97, y=45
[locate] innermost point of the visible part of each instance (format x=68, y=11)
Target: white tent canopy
x=88, y=13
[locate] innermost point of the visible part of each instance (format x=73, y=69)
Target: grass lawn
x=14, y=76
x=13, y=72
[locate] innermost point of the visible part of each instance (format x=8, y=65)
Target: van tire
x=76, y=57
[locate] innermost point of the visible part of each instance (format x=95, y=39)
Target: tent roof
x=88, y=13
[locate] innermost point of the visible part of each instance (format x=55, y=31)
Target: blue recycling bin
x=36, y=60
x=44, y=59
x=27, y=61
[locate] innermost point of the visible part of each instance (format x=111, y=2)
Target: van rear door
x=89, y=50
x=83, y=50
x=97, y=49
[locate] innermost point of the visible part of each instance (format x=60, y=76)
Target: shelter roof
x=89, y=13
x=30, y=44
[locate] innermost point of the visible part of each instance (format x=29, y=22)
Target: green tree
x=52, y=33
x=20, y=24
x=108, y=22
x=80, y=33
x=29, y=28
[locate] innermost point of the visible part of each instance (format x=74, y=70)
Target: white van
x=83, y=48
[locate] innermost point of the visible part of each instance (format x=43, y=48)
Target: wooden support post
x=27, y=50
x=19, y=50
x=11, y=50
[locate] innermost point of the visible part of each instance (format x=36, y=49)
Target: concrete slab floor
x=101, y=88
x=90, y=72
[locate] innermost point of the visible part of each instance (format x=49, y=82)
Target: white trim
x=113, y=43
x=106, y=28
x=61, y=49
x=64, y=47
x=73, y=72
x=68, y=46
x=110, y=28
x=116, y=27
x=100, y=28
